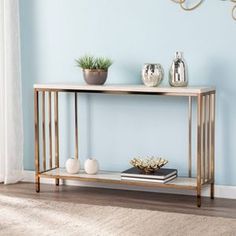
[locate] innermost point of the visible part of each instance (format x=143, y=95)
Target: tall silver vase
x=152, y=74
x=178, y=72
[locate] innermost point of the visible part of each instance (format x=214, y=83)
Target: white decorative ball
x=72, y=166
x=91, y=166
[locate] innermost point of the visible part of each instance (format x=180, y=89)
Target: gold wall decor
x=182, y=4
x=234, y=10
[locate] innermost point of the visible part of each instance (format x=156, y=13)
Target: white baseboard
x=221, y=191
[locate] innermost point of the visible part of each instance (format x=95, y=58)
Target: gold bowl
x=149, y=164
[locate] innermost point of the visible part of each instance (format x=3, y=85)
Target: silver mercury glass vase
x=178, y=72
x=152, y=74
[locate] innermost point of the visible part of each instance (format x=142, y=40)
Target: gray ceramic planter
x=95, y=77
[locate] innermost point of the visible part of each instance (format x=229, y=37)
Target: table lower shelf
x=115, y=178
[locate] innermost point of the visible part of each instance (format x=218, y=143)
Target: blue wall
x=114, y=129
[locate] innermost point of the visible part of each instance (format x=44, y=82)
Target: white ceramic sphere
x=72, y=166
x=91, y=166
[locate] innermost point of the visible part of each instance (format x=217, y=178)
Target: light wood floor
x=124, y=198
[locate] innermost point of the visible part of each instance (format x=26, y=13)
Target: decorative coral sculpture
x=148, y=164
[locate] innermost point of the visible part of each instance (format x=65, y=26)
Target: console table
x=47, y=166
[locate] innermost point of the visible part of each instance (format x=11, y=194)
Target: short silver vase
x=152, y=74
x=178, y=72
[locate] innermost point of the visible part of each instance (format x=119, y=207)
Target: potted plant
x=95, y=70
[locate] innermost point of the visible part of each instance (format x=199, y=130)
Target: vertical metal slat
x=76, y=129
x=213, y=145
x=36, y=141
x=43, y=131
x=203, y=136
x=199, y=148
x=56, y=132
x=190, y=137
x=50, y=127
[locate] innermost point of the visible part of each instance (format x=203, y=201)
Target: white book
x=149, y=180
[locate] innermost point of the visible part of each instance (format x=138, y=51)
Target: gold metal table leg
x=56, y=133
x=212, y=144
x=36, y=140
x=199, y=148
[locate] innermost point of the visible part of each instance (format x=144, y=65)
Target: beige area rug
x=22, y=216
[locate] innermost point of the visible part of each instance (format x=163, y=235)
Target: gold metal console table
x=205, y=98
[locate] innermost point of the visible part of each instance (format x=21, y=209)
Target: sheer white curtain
x=11, y=124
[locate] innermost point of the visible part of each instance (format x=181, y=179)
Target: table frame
x=205, y=153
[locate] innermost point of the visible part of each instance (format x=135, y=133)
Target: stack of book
x=162, y=175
